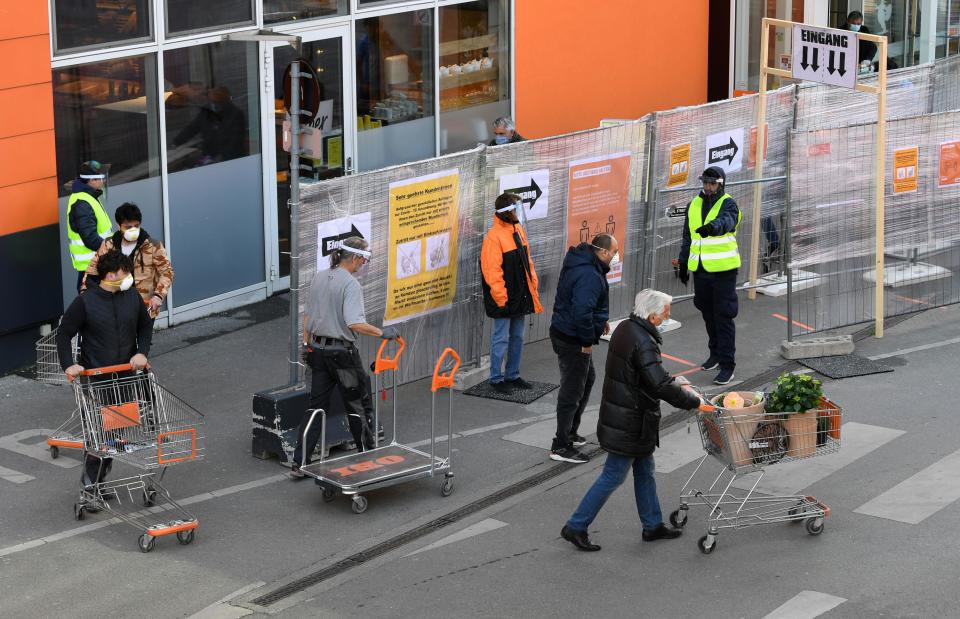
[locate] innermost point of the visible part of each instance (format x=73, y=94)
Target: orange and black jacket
x=509, y=279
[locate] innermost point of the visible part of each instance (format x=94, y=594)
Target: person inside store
x=115, y=328
x=510, y=293
x=333, y=318
x=152, y=271
x=580, y=311
x=629, y=426
x=222, y=128
x=866, y=49
x=709, y=251
x=87, y=222
x=505, y=132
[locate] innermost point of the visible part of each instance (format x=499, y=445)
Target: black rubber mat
x=520, y=396
x=845, y=366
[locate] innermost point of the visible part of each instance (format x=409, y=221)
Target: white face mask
x=126, y=283
x=615, y=261
x=131, y=234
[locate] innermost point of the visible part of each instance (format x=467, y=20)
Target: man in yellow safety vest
x=87, y=222
x=709, y=251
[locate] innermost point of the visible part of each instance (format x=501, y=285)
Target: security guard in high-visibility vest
x=87, y=222
x=710, y=252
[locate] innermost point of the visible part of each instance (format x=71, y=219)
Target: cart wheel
x=79, y=512
x=54, y=452
x=678, y=518
x=149, y=497
x=329, y=494
x=813, y=527
x=706, y=544
x=446, y=488
x=185, y=537
x=359, y=504
x=146, y=542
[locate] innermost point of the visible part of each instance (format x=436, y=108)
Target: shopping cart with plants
x=70, y=433
x=127, y=416
x=748, y=432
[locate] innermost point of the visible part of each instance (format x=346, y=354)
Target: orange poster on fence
x=906, y=163
x=597, y=199
x=949, y=165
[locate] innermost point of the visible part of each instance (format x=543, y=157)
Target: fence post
x=788, y=240
x=880, y=181
x=650, y=242
x=758, y=157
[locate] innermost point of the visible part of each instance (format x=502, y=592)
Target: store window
x=395, y=89
x=82, y=24
x=289, y=10
x=215, y=169
x=186, y=16
x=474, y=74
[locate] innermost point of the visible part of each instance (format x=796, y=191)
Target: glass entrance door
x=327, y=152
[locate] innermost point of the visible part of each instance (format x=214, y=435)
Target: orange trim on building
x=644, y=57
x=28, y=205
x=36, y=115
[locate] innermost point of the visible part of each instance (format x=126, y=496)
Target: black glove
x=706, y=230
x=390, y=333
x=682, y=274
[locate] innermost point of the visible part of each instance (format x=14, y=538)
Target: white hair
x=505, y=122
x=650, y=302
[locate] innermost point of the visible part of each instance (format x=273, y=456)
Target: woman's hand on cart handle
x=139, y=362
x=73, y=372
x=705, y=406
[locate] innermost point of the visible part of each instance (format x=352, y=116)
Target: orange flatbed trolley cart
x=129, y=417
x=355, y=474
x=70, y=433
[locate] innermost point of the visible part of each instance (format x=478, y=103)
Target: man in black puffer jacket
x=629, y=426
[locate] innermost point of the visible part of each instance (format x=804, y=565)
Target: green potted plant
x=797, y=396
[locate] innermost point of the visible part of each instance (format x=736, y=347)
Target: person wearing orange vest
x=709, y=251
x=87, y=222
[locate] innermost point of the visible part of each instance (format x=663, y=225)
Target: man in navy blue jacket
x=580, y=314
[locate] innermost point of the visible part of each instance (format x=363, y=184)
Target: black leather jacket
x=634, y=384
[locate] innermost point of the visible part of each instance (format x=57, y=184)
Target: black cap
x=92, y=170
x=714, y=173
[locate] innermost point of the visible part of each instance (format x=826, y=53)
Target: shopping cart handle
x=383, y=363
x=441, y=380
x=110, y=369
x=707, y=408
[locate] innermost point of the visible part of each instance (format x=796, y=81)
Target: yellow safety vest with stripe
x=716, y=253
x=80, y=254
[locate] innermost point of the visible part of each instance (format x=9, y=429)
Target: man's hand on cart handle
x=73, y=371
x=389, y=333
x=139, y=362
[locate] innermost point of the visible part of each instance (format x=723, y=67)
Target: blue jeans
x=614, y=472
x=506, y=338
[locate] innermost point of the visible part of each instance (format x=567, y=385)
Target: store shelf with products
x=468, y=74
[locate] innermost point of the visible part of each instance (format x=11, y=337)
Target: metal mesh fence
x=946, y=92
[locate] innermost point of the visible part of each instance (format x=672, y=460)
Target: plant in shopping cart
x=795, y=393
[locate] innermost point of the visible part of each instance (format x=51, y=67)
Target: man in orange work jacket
x=509, y=291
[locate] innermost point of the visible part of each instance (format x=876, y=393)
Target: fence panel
x=946, y=93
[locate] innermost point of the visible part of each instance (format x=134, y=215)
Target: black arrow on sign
x=330, y=243
x=815, y=64
x=725, y=151
x=530, y=193
x=843, y=61
x=803, y=62
x=831, y=68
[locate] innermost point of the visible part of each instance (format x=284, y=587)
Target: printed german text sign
x=949, y=165
x=906, y=162
x=825, y=55
x=679, y=165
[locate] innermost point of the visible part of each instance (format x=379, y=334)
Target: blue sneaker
x=724, y=376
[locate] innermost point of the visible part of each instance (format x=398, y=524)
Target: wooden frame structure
x=880, y=90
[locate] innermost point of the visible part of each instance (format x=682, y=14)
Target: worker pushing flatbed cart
x=356, y=474
x=129, y=417
x=747, y=443
x=70, y=433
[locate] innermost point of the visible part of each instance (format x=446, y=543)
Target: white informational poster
x=330, y=233
x=825, y=55
x=725, y=150
x=533, y=187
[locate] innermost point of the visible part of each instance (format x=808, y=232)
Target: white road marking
x=38, y=451
x=221, y=609
x=679, y=448
x=541, y=434
x=15, y=477
x=858, y=439
x=917, y=498
x=806, y=605
x=906, y=351
x=484, y=526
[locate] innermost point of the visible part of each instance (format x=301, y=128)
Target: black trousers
x=337, y=368
x=576, y=380
x=716, y=298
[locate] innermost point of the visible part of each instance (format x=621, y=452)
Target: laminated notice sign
x=752, y=153
x=422, y=254
x=679, y=165
x=597, y=198
x=331, y=232
x=906, y=162
x=949, y=165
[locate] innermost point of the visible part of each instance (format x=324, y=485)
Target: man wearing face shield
x=709, y=251
x=333, y=317
x=152, y=271
x=509, y=291
x=115, y=328
x=87, y=222
x=580, y=313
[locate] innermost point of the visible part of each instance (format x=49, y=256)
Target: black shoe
x=568, y=454
x=519, y=383
x=661, y=532
x=710, y=364
x=577, y=440
x=724, y=376
x=503, y=387
x=295, y=472
x=580, y=539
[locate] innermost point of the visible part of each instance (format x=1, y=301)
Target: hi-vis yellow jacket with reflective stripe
x=80, y=254
x=717, y=253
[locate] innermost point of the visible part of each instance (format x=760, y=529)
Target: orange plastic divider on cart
x=120, y=416
x=170, y=530
x=441, y=380
x=193, y=446
x=110, y=369
x=59, y=442
x=382, y=363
